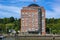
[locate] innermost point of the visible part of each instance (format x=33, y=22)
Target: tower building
x=33, y=19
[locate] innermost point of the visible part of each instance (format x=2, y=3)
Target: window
x=36, y=29
x=26, y=25
x=22, y=13
x=22, y=22
x=22, y=25
x=33, y=25
x=33, y=21
x=29, y=15
x=39, y=10
x=36, y=20
x=42, y=15
x=33, y=28
x=42, y=22
x=29, y=29
x=32, y=14
x=22, y=18
x=25, y=13
x=26, y=18
x=42, y=28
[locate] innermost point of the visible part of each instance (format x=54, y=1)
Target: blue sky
x=10, y=8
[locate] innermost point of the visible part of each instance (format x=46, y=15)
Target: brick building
x=33, y=19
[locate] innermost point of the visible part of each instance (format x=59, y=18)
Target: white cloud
x=31, y=0
x=57, y=1
x=15, y=11
x=16, y=1
x=56, y=8
x=49, y=14
x=6, y=14
x=25, y=0
x=55, y=13
x=10, y=11
x=10, y=8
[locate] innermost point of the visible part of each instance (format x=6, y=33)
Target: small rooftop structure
x=33, y=5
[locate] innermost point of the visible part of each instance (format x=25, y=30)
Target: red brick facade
x=31, y=19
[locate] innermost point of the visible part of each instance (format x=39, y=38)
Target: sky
x=13, y=8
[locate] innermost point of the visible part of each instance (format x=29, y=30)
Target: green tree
x=17, y=24
x=9, y=26
x=12, y=19
x=54, y=31
x=1, y=20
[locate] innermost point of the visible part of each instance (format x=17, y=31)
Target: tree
x=54, y=31
x=47, y=30
x=5, y=20
x=12, y=19
x=2, y=28
x=17, y=24
x=9, y=26
x=1, y=20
